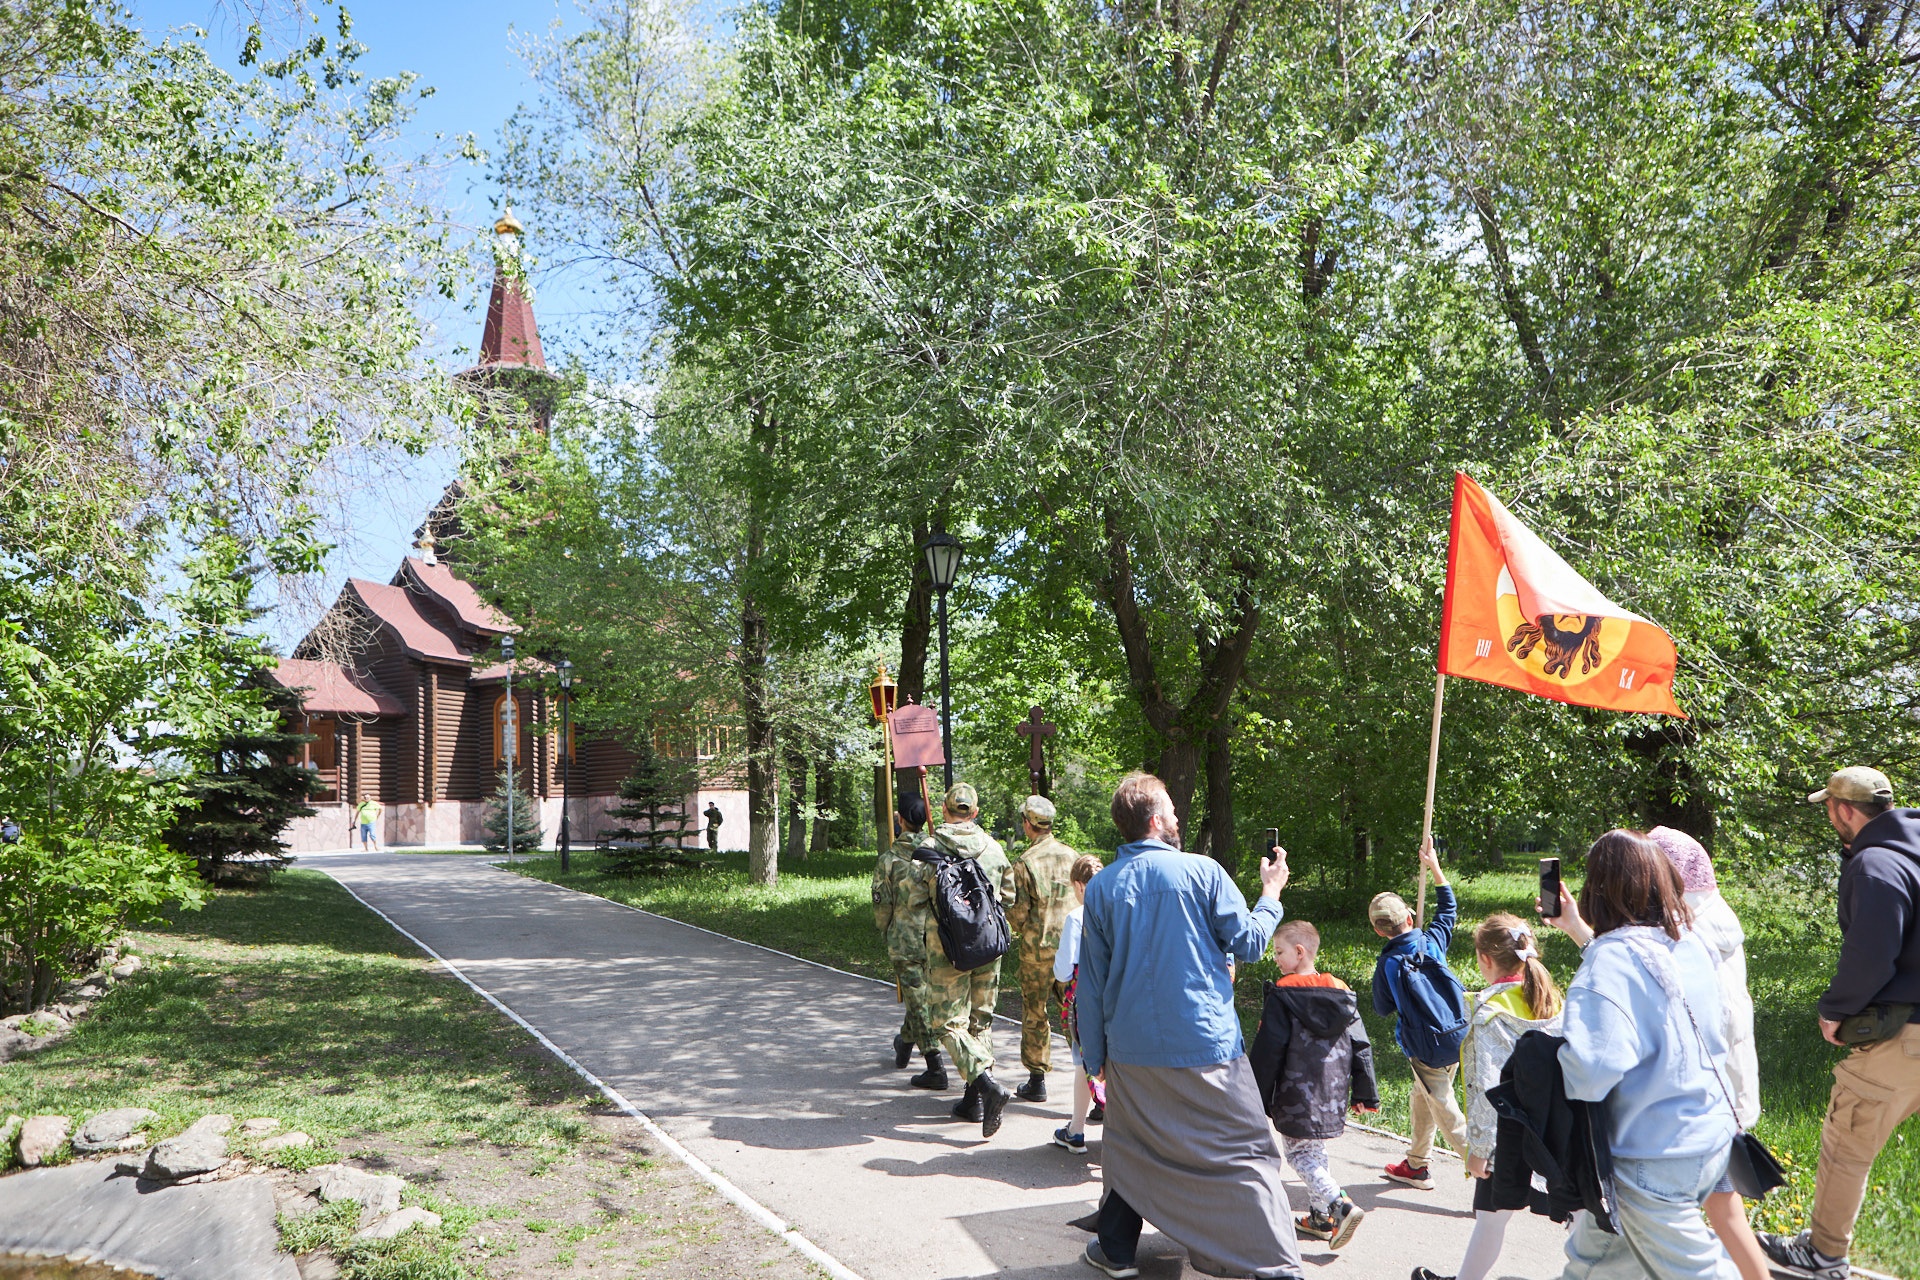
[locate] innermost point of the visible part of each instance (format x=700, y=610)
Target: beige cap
x=1858, y=783
x=1039, y=811
x=1388, y=911
x=962, y=798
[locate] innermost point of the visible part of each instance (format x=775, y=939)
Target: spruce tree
x=652, y=813
x=254, y=786
x=526, y=819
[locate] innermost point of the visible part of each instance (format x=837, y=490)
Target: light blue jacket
x=1157, y=929
x=1629, y=1044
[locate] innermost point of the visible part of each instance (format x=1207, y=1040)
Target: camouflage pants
x=1037, y=989
x=911, y=983
x=960, y=1012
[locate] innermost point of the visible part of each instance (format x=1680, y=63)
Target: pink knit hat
x=1686, y=854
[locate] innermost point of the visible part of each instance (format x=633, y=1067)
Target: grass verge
x=298, y=1003
x=821, y=910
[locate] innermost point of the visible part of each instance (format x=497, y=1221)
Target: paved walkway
x=778, y=1073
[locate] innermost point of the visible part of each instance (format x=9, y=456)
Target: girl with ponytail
x=1520, y=996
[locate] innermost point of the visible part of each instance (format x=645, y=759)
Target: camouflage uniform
x=1042, y=896
x=906, y=935
x=960, y=1005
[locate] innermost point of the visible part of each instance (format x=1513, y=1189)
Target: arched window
x=504, y=711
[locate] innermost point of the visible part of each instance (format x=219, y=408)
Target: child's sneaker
x=1797, y=1254
x=1425, y=1273
x=1098, y=1115
x=1345, y=1216
x=1314, y=1225
x=1419, y=1178
x=1074, y=1142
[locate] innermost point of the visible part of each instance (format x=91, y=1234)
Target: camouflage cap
x=1039, y=811
x=962, y=798
x=1858, y=784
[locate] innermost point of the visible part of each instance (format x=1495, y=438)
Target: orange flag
x=1516, y=614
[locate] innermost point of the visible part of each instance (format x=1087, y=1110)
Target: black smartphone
x=1273, y=842
x=1550, y=888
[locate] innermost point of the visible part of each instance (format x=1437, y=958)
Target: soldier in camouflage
x=906, y=933
x=960, y=1004
x=1042, y=896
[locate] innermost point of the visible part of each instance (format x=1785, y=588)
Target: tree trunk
x=1184, y=728
x=916, y=624
x=756, y=700
x=822, y=797
x=1223, y=848
x=796, y=805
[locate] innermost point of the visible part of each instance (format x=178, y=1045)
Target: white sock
x=1483, y=1249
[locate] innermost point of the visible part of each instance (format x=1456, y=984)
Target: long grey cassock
x=1191, y=1151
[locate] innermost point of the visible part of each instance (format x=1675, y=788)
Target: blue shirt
x=1157, y=930
x=1627, y=1043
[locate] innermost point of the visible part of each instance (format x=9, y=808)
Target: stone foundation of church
x=451, y=824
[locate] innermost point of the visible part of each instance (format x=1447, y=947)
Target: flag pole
x=1433, y=766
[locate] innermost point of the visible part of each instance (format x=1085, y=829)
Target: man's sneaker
x=1098, y=1261
x=1097, y=1115
x=1074, y=1142
x=1345, y=1216
x=1413, y=1176
x=1797, y=1254
x=1034, y=1090
x=1314, y=1225
x=902, y=1052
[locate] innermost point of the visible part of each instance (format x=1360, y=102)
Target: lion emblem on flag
x=1561, y=638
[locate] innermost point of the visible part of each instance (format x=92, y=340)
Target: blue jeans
x=1662, y=1234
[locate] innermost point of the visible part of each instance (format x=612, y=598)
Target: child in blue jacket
x=1412, y=981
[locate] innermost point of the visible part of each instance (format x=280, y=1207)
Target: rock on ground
x=378, y=1193
x=259, y=1125
x=112, y=1130
x=282, y=1141
x=41, y=1136
x=201, y=1149
x=400, y=1223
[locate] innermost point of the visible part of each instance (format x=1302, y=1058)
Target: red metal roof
x=327, y=688
x=400, y=609
x=458, y=597
x=510, y=336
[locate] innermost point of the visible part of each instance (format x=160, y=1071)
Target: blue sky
x=465, y=51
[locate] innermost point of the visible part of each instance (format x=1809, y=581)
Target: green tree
x=525, y=827
x=253, y=786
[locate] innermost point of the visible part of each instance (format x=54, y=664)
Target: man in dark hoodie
x=1872, y=1004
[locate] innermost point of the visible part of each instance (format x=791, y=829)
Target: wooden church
x=416, y=714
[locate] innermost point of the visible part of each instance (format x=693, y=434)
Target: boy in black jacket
x=1311, y=1056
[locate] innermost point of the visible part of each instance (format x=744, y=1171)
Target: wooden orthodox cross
x=1036, y=731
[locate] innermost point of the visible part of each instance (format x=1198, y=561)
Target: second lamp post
x=943, y=561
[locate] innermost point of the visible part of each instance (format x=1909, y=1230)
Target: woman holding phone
x=1644, y=1033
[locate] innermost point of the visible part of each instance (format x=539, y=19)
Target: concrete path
x=778, y=1073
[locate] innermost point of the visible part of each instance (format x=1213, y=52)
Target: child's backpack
x=967, y=910
x=1432, y=1006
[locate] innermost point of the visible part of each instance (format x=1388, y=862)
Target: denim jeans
x=1662, y=1234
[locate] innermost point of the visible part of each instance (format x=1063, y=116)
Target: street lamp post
x=943, y=561
x=566, y=761
x=511, y=731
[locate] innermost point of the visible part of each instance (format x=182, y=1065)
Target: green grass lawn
x=821, y=910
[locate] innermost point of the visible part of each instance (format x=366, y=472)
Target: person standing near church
x=714, y=819
x=902, y=921
x=1042, y=897
x=367, y=814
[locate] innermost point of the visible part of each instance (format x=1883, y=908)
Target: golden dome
x=508, y=224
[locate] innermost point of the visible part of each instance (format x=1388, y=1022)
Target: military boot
x=994, y=1098
x=935, y=1076
x=968, y=1108
x=1035, y=1089
x=902, y=1052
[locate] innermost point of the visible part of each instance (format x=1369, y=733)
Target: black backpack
x=972, y=923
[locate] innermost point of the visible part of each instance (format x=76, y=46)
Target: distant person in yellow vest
x=367, y=813
x=1042, y=897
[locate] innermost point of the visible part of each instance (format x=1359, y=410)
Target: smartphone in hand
x=1273, y=842
x=1550, y=888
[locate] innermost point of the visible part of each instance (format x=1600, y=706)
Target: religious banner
x=916, y=737
x=1518, y=615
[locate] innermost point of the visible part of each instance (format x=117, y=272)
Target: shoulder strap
x=1662, y=971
